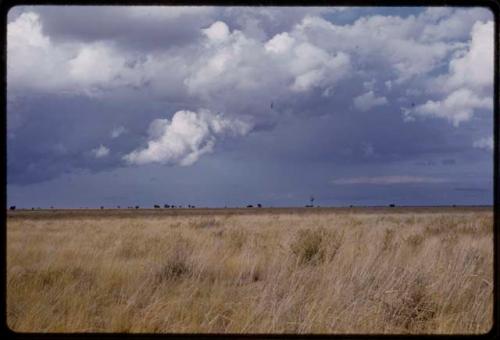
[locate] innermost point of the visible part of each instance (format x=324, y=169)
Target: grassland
x=251, y=271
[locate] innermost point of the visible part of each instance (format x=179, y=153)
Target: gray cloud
x=118, y=131
x=135, y=27
x=387, y=180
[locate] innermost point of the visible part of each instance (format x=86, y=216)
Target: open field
x=320, y=270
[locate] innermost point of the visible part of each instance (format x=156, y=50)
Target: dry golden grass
x=345, y=271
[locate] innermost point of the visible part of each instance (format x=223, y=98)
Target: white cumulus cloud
x=467, y=87
x=217, y=32
x=368, y=101
x=118, y=131
x=280, y=43
x=184, y=139
x=101, y=151
x=35, y=62
x=484, y=143
x=457, y=107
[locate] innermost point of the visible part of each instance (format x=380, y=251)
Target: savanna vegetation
x=258, y=271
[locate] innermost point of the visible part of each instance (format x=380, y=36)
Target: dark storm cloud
x=143, y=29
x=58, y=133
x=152, y=28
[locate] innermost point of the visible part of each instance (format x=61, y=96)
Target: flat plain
x=293, y=270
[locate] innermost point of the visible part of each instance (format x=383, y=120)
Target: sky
x=229, y=106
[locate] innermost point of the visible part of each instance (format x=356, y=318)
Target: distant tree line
x=190, y=206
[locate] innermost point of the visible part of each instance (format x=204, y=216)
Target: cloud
x=467, y=87
x=484, y=143
x=233, y=62
x=118, y=131
x=313, y=67
x=280, y=43
x=37, y=63
x=184, y=139
x=235, y=66
x=446, y=24
x=368, y=101
x=166, y=27
x=218, y=32
x=101, y=151
x=26, y=42
x=457, y=107
x=388, y=43
x=475, y=68
x=382, y=180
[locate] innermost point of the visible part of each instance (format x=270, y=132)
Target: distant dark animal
x=249, y=206
x=137, y=207
x=454, y=206
x=392, y=205
x=351, y=206
x=309, y=206
x=32, y=208
x=172, y=206
x=157, y=206
x=259, y=205
x=12, y=207
x=102, y=207
x=166, y=206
